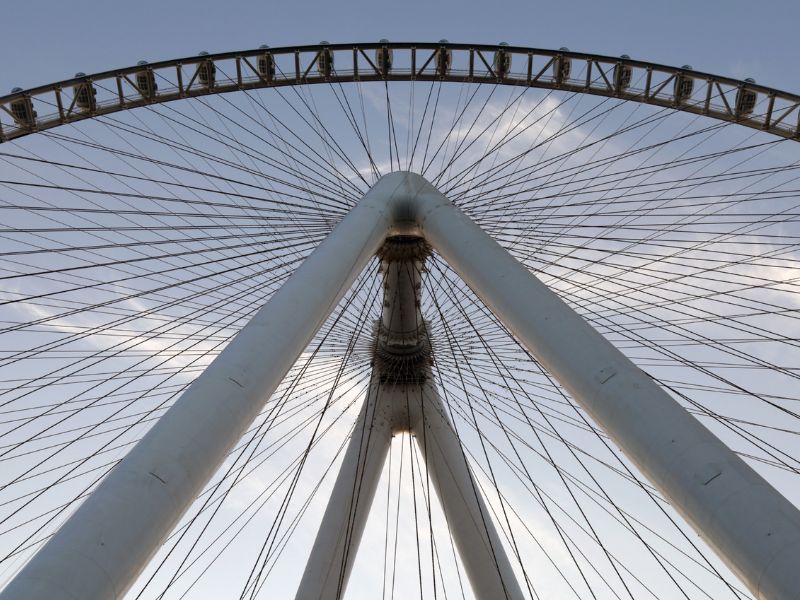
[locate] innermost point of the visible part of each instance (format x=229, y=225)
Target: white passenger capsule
x=266, y=64
x=325, y=60
x=22, y=110
x=684, y=86
x=746, y=99
x=384, y=58
x=145, y=80
x=444, y=59
x=562, y=67
x=502, y=61
x=622, y=75
x=206, y=71
x=84, y=93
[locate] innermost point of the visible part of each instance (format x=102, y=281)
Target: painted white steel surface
x=417, y=408
x=752, y=527
x=470, y=522
x=331, y=559
x=103, y=547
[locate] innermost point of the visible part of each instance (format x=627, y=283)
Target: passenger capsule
x=562, y=67
x=325, y=60
x=206, y=71
x=266, y=64
x=684, y=86
x=145, y=80
x=622, y=75
x=502, y=61
x=746, y=99
x=84, y=94
x=384, y=58
x=444, y=59
x=22, y=110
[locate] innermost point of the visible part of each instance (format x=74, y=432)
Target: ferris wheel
x=400, y=320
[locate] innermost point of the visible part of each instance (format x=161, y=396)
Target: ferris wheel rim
x=781, y=116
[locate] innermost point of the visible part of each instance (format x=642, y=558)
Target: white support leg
x=485, y=561
x=386, y=410
x=750, y=525
x=101, y=549
x=336, y=545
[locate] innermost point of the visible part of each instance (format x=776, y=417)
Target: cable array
x=134, y=247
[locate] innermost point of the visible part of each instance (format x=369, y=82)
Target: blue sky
x=46, y=41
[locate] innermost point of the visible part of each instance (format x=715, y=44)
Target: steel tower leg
x=485, y=561
x=101, y=549
x=335, y=547
x=750, y=525
x=331, y=560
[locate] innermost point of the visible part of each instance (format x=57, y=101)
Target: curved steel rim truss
x=732, y=100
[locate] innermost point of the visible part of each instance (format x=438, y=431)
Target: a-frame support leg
x=485, y=561
x=331, y=560
x=335, y=547
x=101, y=549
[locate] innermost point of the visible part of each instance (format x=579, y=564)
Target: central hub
x=402, y=347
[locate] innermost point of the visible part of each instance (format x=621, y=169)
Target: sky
x=49, y=41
